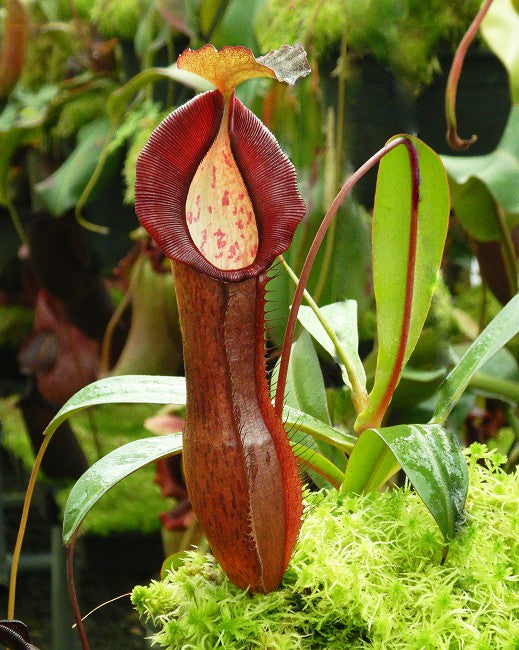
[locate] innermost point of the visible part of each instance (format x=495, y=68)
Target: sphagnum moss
x=366, y=573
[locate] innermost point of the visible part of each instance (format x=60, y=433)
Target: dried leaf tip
x=289, y=63
x=232, y=65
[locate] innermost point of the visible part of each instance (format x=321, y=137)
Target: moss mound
x=366, y=574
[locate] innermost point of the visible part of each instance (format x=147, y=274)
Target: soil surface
x=105, y=568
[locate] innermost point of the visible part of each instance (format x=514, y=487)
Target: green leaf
x=498, y=171
x=476, y=209
x=496, y=334
x=61, y=190
x=392, y=248
x=498, y=377
x=305, y=391
x=119, y=99
x=370, y=464
x=123, y=461
x=208, y=13
x=500, y=28
x=415, y=386
x=125, y=389
x=429, y=455
x=342, y=320
x=318, y=429
x=314, y=461
x=502, y=364
x=225, y=23
x=111, y=469
x=305, y=384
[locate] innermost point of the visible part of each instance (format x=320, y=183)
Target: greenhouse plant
x=338, y=386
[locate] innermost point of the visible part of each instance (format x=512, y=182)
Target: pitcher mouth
x=213, y=187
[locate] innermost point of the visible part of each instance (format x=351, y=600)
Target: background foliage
x=92, y=81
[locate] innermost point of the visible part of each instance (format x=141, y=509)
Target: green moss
x=119, y=18
x=47, y=59
x=366, y=573
x=83, y=8
x=406, y=36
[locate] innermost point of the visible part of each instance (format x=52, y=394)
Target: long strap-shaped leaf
x=118, y=464
x=429, y=455
x=496, y=334
x=431, y=458
x=125, y=389
x=111, y=469
x=318, y=463
x=409, y=227
x=318, y=429
x=146, y=389
x=121, y=462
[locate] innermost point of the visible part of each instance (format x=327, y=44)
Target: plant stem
x=23, y=525
x=341, y=108
x=106, y=347
x=496, y=385
x=307, y=266
x=358, y=389
x=15, y=218
x=335, y=148
x=453, y=138
x=73, y=594
x=102, y=230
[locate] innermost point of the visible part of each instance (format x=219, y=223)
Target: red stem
x=349, y=183
x=73, y=595
x=453, y=139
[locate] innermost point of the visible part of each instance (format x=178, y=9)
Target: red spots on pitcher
x=219, y=213
x=233, y=251
x=220, y=239
x=227, y=158
x=203, y=243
